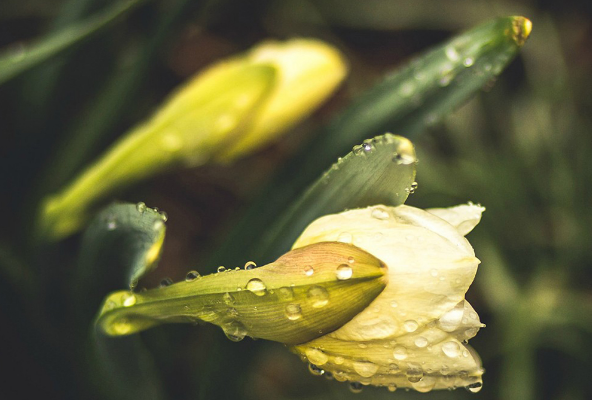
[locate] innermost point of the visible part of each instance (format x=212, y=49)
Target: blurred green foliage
x=522, y=148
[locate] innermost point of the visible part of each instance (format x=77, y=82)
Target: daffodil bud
x=306, y=293
x=412, y=335
x=231, y=109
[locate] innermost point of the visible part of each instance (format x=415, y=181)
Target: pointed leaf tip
x=521, y=28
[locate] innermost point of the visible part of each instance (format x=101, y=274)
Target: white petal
x=463, y=217
x=430, y=266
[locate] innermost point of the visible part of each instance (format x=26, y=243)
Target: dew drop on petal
x=451, y=349
x=425, y=384
x=380, y=213
x=474, y=387
x=318, y=296
x=285, y=293
x=400, y=353
x=365, y=369
x=355, y=387
x=256, y=286
x=308, y=270
x=414, y=372
x=293, y=312
x=315, y=370
x=452, y=53
x=411, y=325
x=316, y=357
x=420, y=341
x=338, y=360
x=221, y=268
x=391, y=387
x=345, y=237
x=344, y=272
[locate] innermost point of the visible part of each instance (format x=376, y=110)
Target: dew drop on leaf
x=344, y=272
x=256, y=286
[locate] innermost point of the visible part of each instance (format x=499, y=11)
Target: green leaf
x=379, y=171
x=16, y=61
x=406, y=102
x=304, y=294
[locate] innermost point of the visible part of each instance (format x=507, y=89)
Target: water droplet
x=234, y=331
x=318, y=296
x=192, y=275
x=128, y=299
x=393, y=368
x=469, y=61
x=351, y=260
x=391, y=387
x=344, y=272
x=411, y=325
x=256, y=286
x=451, y=320
x=293, y=312
x=380, y=213
x=165, y=282
x=451, y=349
x=163, y=216
x=345, y=237
x=228, y=299
x=221, y=268
x=400, y=353
x=250, y=265
x=420, y=341
x=111, y=223
x=356, y=387
x=414, y=372
x=425, y=385
x=367, y=146
x=394, y=304
x=141, y=207
x=308, y=270
x=403, y=159
x=315, y=370
x=316, y=356
x=365, y=369
x=412, y=188
x=328, y=375
x=474, y=387
x=452, y=53
x=358, y=150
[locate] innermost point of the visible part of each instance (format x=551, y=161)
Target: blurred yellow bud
x=412, y=335
x=231, y=109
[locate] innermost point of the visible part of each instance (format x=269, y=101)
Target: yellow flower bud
x=412, y=334
x=231, y=109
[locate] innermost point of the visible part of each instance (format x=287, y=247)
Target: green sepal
x=305, y=294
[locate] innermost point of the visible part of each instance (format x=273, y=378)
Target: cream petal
x=463, y=217
x=430, y=266
x=440, y=363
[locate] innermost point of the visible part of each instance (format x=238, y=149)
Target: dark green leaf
x=406, y=102
x=379, y=171
x=18, y=60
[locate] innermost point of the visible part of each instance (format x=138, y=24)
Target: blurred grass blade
x=379, y=171
x=297, y=298
x=14, y=62
x=406, y=102
x=122, y=243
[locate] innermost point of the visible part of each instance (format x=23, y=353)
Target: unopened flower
x=412, y=335
x=231, y=109
x=374, y=296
